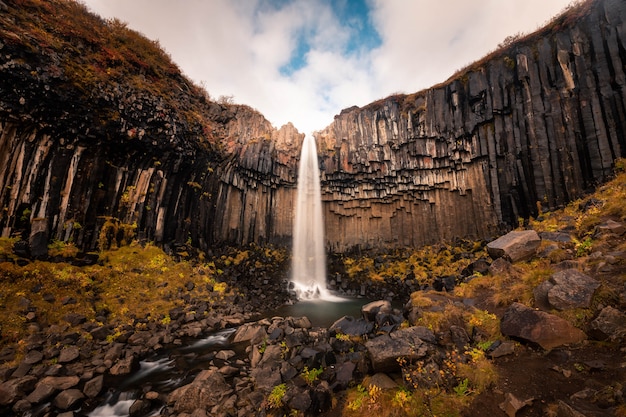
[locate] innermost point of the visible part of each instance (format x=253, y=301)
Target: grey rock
x=571, y=289
x=546, y=330
x=385, y=350
x=370, y=310
x=515, y=245
x=609, y=325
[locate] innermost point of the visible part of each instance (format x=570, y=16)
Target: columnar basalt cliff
x=528, y=128
x=100, y=134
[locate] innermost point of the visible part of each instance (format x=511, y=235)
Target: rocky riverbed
x=533, y=324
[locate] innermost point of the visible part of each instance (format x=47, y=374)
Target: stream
x=178, y=366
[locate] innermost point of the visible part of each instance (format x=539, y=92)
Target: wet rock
x=546, y=330
x=93, y=387
x=370, y=310
x=124, y=366
x=350, y=326
x=385, y=350
x=206, y=391
x=515, y=245
x=68, y=399
x=139, y=407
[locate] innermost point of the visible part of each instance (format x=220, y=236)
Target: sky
x=303, y=61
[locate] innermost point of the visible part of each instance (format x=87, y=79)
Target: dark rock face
x=535, y=124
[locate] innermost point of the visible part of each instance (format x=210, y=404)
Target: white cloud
x=238, y=47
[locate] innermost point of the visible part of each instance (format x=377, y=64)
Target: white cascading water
x=308, y=263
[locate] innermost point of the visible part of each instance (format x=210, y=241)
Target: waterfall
x=308, y=263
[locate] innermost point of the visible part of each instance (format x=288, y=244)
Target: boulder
x=611, y=226
x=544, y=329
x=93, y=387
x=571, y=289
x=517, y=245
x=124, y=366
x=381, y=380
x=609, y=325
x=252, y=332
x=69, y=354
x=60, y=382
x=206, y=391
x=385, y=350
x=33, y=357
x=370, y=310
x=41, y=393
x=68, y=399
x=351, y=326
x=12, y=389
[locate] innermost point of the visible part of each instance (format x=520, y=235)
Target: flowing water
x=308, y=263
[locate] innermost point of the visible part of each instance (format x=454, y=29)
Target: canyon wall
x=96, y=145
x=528, y=128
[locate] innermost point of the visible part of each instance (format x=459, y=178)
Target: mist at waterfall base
x=308, y=265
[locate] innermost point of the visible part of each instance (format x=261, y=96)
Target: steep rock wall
x=537, y=123
x=101, y=136
x=526, y=129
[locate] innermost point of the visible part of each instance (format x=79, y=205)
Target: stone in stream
x=93, y=387
x=68, y=399
x=207, y=390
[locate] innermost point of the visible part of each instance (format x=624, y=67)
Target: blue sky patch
x=353, y=15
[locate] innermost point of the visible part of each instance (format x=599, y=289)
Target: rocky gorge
x=141, y=217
